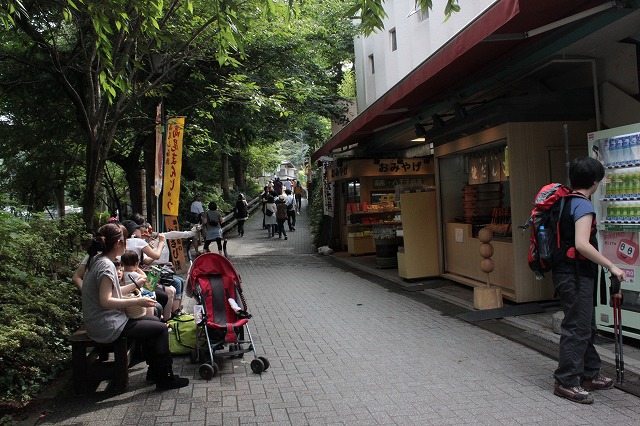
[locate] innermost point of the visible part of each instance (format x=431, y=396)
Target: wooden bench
x=90, y=367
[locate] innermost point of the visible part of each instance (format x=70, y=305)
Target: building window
x=372, y=64
x=393, y=39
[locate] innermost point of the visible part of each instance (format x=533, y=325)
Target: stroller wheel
x=257, y=366
x=208, y=371
x=265, y=362
x=193, y=356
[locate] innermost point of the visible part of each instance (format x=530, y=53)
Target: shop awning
x=456, y=62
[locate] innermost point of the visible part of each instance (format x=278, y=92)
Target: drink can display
x=635, y=148
x=617, y=185
x=626, y=151
x=635, y=184
x=609, y=217
x=620, y=151
x=627, y=183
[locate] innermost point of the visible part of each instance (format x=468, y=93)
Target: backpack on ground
x=182, y=334
x=546, y=248
x=281, y=211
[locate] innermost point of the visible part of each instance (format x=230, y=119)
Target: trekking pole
x=616, y=332
x=620, y=337
x=615, y=287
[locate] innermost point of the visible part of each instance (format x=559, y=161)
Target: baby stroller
x=213, y=280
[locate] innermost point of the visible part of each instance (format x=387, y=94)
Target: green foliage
x=40, y=307
x=371, y=13
x=347, y=88
x=315, y=209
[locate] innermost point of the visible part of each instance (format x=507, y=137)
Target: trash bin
x=387, y=252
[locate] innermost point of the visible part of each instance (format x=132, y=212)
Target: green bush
x=315, y=209
x=40, y=306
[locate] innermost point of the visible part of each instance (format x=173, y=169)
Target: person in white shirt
x=197, y=211
x=288, y=185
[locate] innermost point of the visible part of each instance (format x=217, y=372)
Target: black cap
x=131, y=226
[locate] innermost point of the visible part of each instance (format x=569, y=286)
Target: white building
x=409, y=38
x=285, y=170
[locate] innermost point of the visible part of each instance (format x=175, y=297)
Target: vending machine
x=617, y=206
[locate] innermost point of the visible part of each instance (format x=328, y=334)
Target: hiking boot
x=597, y=383
x=574, y=393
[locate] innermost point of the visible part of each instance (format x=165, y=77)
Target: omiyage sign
x=172, y=167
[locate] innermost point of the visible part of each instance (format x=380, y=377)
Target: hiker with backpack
x=574, y=261
x=281, y=215
x=270, y=216
x=213, y=222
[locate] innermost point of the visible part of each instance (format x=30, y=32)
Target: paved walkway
x=347, y=351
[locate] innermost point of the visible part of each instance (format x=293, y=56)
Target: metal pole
x=565, y=134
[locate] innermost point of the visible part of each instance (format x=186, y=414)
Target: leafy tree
x=107, y=56
x=101, y=54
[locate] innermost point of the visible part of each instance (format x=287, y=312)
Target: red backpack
x=547, y=212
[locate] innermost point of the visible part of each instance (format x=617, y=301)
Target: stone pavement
x=345, y=350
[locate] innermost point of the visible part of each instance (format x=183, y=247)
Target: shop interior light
x=421, y=133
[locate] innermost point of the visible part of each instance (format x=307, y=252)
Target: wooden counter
x=463, y=259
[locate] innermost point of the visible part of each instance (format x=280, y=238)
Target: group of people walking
x=278, y=209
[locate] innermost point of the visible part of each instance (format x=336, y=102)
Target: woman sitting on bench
x=104, y=314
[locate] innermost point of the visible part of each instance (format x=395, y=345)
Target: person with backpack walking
x=291, y=210
x=213, y=221
x=241, y=213
x=574, y=278
x=297, y=192
x=270, y=216
x=281, y=215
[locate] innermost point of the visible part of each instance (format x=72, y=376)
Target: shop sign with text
x=381, y=167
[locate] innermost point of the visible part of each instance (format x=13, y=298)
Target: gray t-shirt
x=103, y=325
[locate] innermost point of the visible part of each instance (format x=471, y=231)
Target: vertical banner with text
x=327, y=189
x=172, y=166
x=176, y=249
x=159, y=163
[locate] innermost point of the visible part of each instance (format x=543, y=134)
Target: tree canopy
x=80, y=80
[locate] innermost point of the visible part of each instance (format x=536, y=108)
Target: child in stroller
x=216, y=285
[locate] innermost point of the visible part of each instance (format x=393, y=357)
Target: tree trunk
x=239, y=172
x=58, y=192
x=132, y=174
x=92, y=186
x=224, y=179
x=149, y=161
